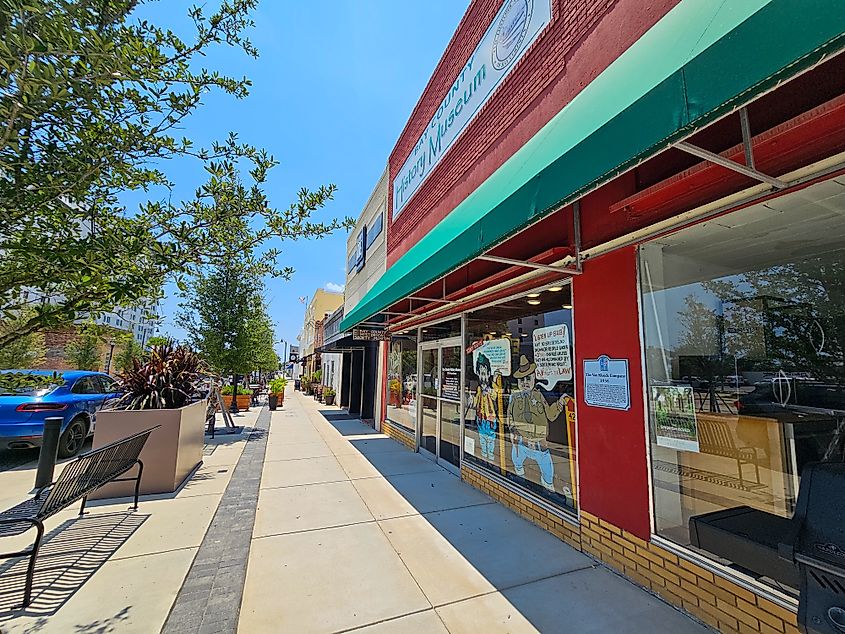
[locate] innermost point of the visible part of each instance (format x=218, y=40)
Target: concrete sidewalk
x=112, y=570
x=354, y=532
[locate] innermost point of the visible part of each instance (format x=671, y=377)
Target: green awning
x=702, y=60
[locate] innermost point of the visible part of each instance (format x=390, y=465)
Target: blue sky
x=332, y=89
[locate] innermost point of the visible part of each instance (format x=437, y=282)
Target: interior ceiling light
x=533, y=294
x=534, y=302
x=525, y=334
x=567, y=306
x=555, y=289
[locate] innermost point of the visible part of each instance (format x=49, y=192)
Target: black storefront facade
x=359, y=368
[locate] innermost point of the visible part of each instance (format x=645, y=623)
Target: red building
x=615, y=277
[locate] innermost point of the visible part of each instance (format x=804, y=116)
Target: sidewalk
x=320, y=525
x=111, y=570
x=354, y=532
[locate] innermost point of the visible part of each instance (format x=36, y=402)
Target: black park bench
x=77, y=481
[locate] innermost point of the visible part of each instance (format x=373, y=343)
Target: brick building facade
x=612, y=298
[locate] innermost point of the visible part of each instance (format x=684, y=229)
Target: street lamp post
x=111, y=354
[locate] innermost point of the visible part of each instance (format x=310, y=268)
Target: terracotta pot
x=243, y=401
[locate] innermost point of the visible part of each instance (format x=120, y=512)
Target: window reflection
x=520, y=418
x=744, y=323
x=402, y=381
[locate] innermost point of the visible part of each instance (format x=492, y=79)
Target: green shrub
x=227, y=390
x=277, y=385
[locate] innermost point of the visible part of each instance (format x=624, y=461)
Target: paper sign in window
x=552, y=354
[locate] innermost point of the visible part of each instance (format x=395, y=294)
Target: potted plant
x=244, y=396
x=159, y=392
x=306, y=384
x=276, y=396
x=316, y=384
x=328, y=395
x=395, y=393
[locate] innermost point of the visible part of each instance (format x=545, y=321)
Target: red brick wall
x=56, y=343
x=584, y=37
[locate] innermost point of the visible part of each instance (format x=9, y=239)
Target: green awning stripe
x=703, y=59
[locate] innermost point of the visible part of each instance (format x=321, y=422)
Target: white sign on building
x=606, y=383
x=513, y=30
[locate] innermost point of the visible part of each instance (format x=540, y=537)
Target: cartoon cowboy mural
x=484, y=403
x=529, y=416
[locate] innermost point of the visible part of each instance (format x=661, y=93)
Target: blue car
x=77, y=400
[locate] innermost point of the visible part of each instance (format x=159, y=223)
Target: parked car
x=77, y=400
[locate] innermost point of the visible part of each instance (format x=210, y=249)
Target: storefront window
x=520, y=418
x=402, y=381
x=744, y=325
x=442, y=330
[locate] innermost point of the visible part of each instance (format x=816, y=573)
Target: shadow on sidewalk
x=335, y=414
x=70, y=555
x=537, y=574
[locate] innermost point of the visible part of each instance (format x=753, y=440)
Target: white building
x=140, y=321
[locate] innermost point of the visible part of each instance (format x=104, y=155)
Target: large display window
x=744, y=330
x=520, y=405
x=401, y=384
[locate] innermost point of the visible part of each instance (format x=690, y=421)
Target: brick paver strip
x=210, y=598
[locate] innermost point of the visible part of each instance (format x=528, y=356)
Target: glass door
x=441, y=384
x=451, y=384
x=429, y=376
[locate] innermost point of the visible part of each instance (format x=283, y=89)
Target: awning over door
x=702, y=60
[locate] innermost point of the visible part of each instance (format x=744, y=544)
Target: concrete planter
x=172, y=452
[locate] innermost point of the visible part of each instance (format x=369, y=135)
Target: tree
x=220, y=314
x=23, y=352
x=128, y=351
x=91, y=101
x=263, y=338
x=158, y=340
x=84, y=353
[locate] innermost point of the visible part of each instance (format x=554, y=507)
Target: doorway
x=440, y=387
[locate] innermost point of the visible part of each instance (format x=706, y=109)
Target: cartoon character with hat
x=484, y=403
x=529, y=415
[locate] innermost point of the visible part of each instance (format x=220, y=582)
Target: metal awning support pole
x=530, y=265
x=576, y=230
x=745, y=124
x=718, y=159
x=431, y=299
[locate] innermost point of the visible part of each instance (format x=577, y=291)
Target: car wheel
x=71, y=441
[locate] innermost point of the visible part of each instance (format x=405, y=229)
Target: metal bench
x=77, y=481
x=715, y=438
